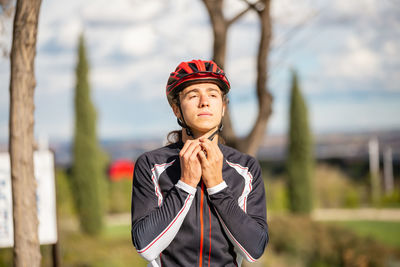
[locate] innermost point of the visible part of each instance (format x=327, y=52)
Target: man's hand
x=211, y=160
x=190, y=164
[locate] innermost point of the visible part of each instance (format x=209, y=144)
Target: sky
x=346, y=54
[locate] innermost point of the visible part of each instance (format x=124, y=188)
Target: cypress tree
x=88, y=177
x=300, y=154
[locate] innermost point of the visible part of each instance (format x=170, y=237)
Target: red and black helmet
x=195, y=71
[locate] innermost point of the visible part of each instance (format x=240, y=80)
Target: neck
x=199, y=135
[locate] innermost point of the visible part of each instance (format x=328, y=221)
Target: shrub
x=120, y=196
x=392, y=200
x=333, y=189
x=316, y=244
x=277, y=195
x=64, y=197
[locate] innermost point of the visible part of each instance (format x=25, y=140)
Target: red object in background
x=121, y=169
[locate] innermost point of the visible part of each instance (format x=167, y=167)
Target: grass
x=384, y=231
x=112, y=248
x=117, y=231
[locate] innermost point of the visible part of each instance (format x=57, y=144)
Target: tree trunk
x=220, y=27
x=22, y=84
x=250, y=143
x=253, y=140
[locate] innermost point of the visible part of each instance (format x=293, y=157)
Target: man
x=197, y=202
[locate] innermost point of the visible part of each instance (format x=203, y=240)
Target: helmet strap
x=183, y=124
x=220, y=127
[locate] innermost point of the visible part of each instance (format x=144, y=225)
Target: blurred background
x=340, y=58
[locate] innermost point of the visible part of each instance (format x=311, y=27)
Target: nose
x=204, y=101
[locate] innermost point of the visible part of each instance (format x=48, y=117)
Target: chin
x=205, y=128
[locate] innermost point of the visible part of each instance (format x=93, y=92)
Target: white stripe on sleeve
x=162, y=241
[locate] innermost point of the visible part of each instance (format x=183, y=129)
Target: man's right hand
x=190, y=164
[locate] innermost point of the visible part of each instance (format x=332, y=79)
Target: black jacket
x=174, y=224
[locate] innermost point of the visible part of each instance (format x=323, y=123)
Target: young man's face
x=202, y=106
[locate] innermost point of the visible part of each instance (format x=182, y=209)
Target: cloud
x=120, y=12
x=288, y=13
x=241, y=72
x=138, y=41
x=357, y=61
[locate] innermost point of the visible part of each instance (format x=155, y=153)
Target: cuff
x=185, y=187
x=217, y=188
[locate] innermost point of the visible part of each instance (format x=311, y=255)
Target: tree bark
x=220, y=27
x=250, y=143
x=22, y=84
x=253, y=140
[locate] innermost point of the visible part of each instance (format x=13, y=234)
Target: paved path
x=118, y=218
x=356, y=214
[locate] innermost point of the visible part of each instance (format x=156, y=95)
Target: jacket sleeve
x=155, y=223
x=245, y=226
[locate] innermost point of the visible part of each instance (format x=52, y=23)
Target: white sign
x=45, y=196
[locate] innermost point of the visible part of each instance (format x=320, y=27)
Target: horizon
x=320, y=135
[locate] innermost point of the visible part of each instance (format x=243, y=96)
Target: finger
x=208, y=147
x=213, y=146
x=202, y=157
x=185, y=147
x=195, y=152
x=189, y=150
x=214, y=151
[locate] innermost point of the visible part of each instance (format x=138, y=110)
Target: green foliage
x=391, y=200
x=120, y=196
x=89, y=161
x=333, y=189
x=300, y=155
x=317, y=244
x=64, y=197
x=6, y=257
x=277, y=195
x=388, y=232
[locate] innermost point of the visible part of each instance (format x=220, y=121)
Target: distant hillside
x=335, y=145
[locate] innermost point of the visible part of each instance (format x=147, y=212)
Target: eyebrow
x=209, y=89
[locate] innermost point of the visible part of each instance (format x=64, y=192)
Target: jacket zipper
x=201, y=224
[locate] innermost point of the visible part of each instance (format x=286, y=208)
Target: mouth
x=204, y=114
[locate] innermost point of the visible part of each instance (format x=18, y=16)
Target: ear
x=176, y=110
x=223, y=109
